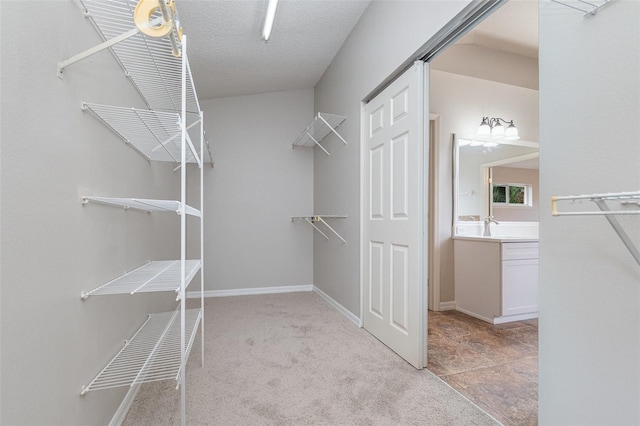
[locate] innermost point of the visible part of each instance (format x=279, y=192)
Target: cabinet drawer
x=516, y=251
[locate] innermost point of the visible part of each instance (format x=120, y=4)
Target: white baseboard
x=123, y=409
x=448, y=306
x=251, y=291
x=517, y=317
x=344, y=311
x=473, y=314
x=503, y=319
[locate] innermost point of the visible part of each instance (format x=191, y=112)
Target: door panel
x=394, y=250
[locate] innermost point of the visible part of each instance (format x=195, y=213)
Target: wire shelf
x=320, y=127
x=147, y=61
x=589, y=8
x=145, y=204
x=154, y=134
x=601, y=201
x=152, y=354
x=154, y=276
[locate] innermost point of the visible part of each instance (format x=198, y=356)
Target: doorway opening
x=490, y=71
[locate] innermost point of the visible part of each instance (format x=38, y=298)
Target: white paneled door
x=394, y=216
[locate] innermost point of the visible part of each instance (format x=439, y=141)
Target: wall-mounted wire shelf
x=625, y=198
x=152, y=354
x=144, y=204
x=159, y=76
x=312, y=220
x=589, y=8
x=155, y=276
x=154, y=134
x=149, y=62
x=320, y=127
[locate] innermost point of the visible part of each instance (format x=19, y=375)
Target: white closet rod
x=601, y=201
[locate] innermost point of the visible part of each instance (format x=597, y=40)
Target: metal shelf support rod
x=613, y=221
x=317, y=143
x=95, y=49
x=332, y=129
x=332, y=230
x=310, y=222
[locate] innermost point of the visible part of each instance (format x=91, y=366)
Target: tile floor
x=495, y=366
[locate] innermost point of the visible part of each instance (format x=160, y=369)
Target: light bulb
x=511, y=134
x=484, y=129
x=497, y=131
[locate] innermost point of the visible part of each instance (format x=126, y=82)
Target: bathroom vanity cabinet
x=496, y=278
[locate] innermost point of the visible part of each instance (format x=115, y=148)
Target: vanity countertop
x=496, y=239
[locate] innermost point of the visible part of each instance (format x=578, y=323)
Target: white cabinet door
x=519, y=286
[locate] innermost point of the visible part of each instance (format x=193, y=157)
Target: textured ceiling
x=228, y=57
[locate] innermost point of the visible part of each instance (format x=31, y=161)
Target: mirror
x=512, y=168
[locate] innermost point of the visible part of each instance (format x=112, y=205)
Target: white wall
x=52, y=246
x=488, y=64
x=589, y=283
x=388, y=33
x=257, y=184
x=461, y=102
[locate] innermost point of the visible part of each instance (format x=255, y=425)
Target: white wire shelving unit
x=320, y=219
x=170, y=130
x=601, y=201
x=162, y=275
x=154, y=134
x=145, y=205
x=322, y=125
x=153, y=353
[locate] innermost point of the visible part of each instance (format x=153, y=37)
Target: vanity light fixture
x=268, y=20
x=492, y=127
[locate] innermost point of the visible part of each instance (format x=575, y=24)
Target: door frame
x=433, y=214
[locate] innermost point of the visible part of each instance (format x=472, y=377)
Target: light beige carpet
x=291, y=359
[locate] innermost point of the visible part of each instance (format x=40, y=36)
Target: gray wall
x=52, y=246
x=257, y=184
x=388, y=33
x=589, y=283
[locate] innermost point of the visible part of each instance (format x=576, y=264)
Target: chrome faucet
x=487, y=225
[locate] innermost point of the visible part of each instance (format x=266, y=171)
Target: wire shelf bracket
x=589, y=8
x=150, y=277
x=152, y=354
x=144, y=205
x=322, y=125
x=625, y=198
x=312, y=220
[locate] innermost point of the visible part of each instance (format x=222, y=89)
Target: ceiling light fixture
x=491, y=127
x=268, y=20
